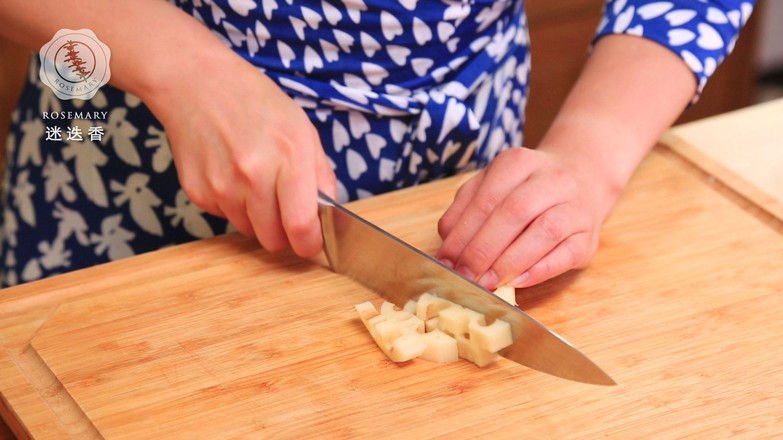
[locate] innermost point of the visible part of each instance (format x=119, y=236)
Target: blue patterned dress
x=401, y=91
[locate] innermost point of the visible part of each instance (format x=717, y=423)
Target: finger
x=234, y=210
x=501, y=177
x=505, y=224
x=325, y=177
x=551, y=229
x=297, y=190
x=264, y=216
x=561, y=259
x=461, y=201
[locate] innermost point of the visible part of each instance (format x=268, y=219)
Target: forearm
x=630, y=91
x=146, y=37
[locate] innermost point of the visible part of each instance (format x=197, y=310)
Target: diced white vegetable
x=507, y=293
x=387, y=308
x=411, y=325
x=410, y=306
x=493, y=337
x=429, y=305
x=366, y=311
x=477, y=355
x=435, y=329
x=455, y=319
x=440, y=347
x=406, y=347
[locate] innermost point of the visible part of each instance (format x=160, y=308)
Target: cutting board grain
x=743, y=149
x=219, y=339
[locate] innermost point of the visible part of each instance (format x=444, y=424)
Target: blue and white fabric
x=401, y=92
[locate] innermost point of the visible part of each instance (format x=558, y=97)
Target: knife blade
x=399, y=272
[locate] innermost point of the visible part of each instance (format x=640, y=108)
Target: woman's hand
x=534, y=214
x=246, y=152
x=529, y=216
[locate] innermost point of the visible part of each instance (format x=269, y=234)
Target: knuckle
x=486, y=204
x=552, y=228
x=477, y=255
x=515, y=207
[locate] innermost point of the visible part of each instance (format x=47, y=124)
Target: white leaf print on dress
x=286, y=53
x=652, y=10
x=680, y=17
x=32, y=271
x=678, y=37
x=262, y=34
x=113, y=238
x=344, y=39
x=390, y=26
x=121, y=132
x=445, y=31
x=22, y=194
x=332, y=14
x=330, y=51
x=218, y=14
x=30, y=144
x=354, y=9
x=386, y=170
x=71, y=224
x=269, y=7
x=142, y=201
x=242, y=7
x=57, y=181
x=624, y=20
x=356, y=164
x=398, y=54
x=455, y=111
x=312, y=60
x=421, y=32
x=312, y=18
x=408, y=4
x=375, y=144
x=161, y=158
x=358, y=124
x=10, y=227
x=421, y=65
x=374, y=73
x=715, y=15
x=299, y=26
x=88, y=158
x=369, y=44
x=709, y=38
x=236, y=36
x=191, y=215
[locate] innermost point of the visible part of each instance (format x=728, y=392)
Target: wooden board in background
x=218, y=339
x=743, y=149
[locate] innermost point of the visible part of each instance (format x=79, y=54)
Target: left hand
x=529, y=216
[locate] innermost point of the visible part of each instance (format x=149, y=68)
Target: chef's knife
x=400, y=272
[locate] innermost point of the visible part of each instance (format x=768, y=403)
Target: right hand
x=246, y=152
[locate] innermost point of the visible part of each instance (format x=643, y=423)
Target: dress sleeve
x=701, y=32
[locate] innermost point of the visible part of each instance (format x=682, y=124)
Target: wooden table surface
x=219, y=339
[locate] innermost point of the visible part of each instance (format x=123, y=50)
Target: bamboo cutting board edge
x=716, y=170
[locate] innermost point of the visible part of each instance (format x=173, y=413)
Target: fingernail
x=464, y=270
x=447, y=263
x=520, y=280
x=489, y=280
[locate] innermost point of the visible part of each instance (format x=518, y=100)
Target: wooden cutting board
x=742, y=149
x=219, y=339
